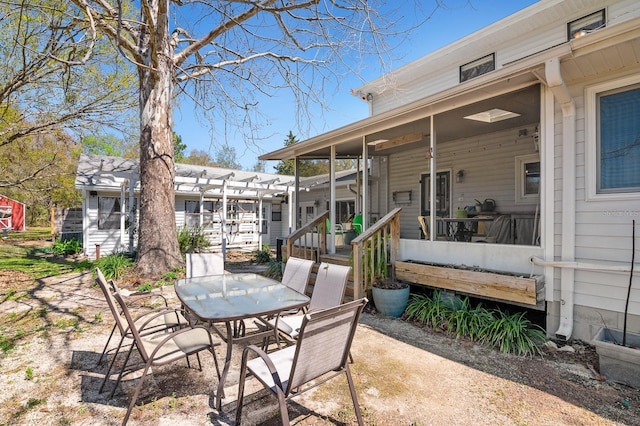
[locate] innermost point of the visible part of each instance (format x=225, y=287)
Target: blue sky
x=457, y=19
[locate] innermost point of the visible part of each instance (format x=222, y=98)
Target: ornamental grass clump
x=431, y=311
x=510, y=333
x=114, y=265
x=513, y=333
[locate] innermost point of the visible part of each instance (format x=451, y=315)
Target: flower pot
x=618, y=363
x=391, y=301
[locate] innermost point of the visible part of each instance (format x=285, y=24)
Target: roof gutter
x=561, y=93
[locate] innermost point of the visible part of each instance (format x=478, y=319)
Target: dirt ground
x=404, y=375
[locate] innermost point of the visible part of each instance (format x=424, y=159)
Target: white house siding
x=489, y=168
x=434, y=72
x=602, y=230
x=107, y=239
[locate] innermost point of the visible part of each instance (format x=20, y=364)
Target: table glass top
x=236, y=296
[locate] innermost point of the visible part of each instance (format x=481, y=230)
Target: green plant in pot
x=389, y=295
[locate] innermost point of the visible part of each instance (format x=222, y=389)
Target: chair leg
x=215, y=361
x=282, y=402
x=113, y=391
x=106, y=375
x=199, y=363
x=136, y=393
x=354, y=397
x=243, y=376
x=104, y=350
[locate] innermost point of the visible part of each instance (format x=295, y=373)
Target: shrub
x=274, y=270
x=192, y=239
x=68, y=247
x=114, y=265
x=263, y=255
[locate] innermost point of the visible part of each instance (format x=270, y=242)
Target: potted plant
x=390, y=296
x=619, y=350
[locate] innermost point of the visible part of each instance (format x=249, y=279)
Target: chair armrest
x=267, y=361
x=175, y=334
x=156, y=313
x=137, y=297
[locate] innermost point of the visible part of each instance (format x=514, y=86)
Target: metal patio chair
x=328, y=291
x=163, y=348
x=323, y=347
x=296, y=273
x=152, y=321
x=203, y=264
x=296, y=276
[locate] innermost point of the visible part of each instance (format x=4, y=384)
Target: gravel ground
x=404, y=375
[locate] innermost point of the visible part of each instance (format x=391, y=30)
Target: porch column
x=123, y=212
x=290, y=204
x=365, y=185
x=433, y=167
x=260, y=197
x=224, y=220
x=132, y=214
x=332, y=200
x=297, y=185
x=201, y=210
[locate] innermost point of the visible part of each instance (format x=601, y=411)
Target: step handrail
x=300, y=239
x=375, y=251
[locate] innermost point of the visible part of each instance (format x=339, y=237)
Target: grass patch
x=23, y=258
x=31, y=233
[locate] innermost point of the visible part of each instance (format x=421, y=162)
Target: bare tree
x=49, y=82
x=224, y=54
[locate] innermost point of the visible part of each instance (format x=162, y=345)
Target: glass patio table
x=235, y=297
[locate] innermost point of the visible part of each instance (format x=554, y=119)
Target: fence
x=66, y=223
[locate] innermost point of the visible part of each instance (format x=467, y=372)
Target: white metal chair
x=203, y=264
x=328, y=291
x=163, y=348
x=323, y=347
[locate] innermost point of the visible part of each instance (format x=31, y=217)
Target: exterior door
x=443, y=196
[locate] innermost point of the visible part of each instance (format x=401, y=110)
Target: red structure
x=12, y=215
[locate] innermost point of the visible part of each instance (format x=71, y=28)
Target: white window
x=613, y=139
x=109, y=213
x=478, y=67
x=585, y=25
x=527, y=179
x=192, y=212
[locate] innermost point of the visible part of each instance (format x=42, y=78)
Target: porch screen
x=619, y=140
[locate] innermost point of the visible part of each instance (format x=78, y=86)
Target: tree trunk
x=158, y=250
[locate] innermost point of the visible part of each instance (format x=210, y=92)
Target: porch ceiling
x=519, y=93
x=449, y=125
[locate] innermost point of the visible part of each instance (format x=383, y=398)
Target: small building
x=235, y=208
x=12, y=215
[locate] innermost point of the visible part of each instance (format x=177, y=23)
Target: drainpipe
x=567, y=275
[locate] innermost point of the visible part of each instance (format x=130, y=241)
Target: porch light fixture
x=460, y=176
x=492, y=115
